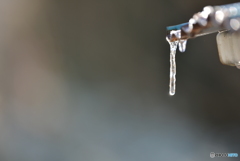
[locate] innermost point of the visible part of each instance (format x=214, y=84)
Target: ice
x=237, y=65
x=178, y=42
x=182, y=45
x=173, y=48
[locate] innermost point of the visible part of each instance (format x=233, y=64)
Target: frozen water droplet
x=173, y=48
x=182, y=45
x=238, y=65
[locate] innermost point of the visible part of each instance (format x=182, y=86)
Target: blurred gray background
x=88, y=81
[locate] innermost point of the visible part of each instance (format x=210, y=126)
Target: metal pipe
x=212, y=19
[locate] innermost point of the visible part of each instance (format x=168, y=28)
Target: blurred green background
x=88, y=81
